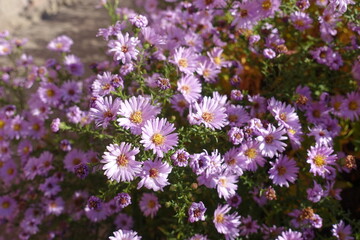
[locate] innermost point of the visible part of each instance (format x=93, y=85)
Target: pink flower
x=149, y=204
x=120, y=164
x=154, y=175
x=157, y=134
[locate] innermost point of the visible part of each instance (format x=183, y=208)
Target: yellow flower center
x=17, y=127
x=208, y=117
x=222, y=182
x=108, y=114
x=106, y=86
x=217, y=60
x=219, y=218
x=337, y=106
x=353, y=105
x=158, y=139
x=266, y=5
x=243, y=13
x=186, y=89
x=153, y=172
x=283, y=116
x=5, y=204
x=319, y=160
x=251, y=153
x=269, y=139
x=299, y=22
x=76, y=161
x=183, y=63
x=281, y=170
x=10, y=171
x=2, y=124
x=181, y=103
x=36, y=127
x=151, y=204
x=136, y=117
x=233, y=118
x=124, y=49
x=316, y=113
x=206, y=72
x=58, y=45
x=122, y=160
x=50, y=93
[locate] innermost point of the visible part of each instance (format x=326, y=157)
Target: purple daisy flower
x=154, y=175
x=138, y=21
x=237, y=115
x=216, y=56
x=251, y=155
x=198, y=237
x=209, y=70
x=125, y=234
x=315, y=194
x=158, y=135
x=290, y=235
x=234, y=163
x=320, y=159
x=49, y=93
x=248, y=226
x=267, y=8
x=197, y=212
x=179, y=103
x=61, y=44
x=102, y=84
x=245, y=18
x=123, y=200
x=283, y=171
x=74, y=65
x=270, y=140
x=190, y=88
x=209, y=112
x=226, y=185
x=95, y=209
x=285, y=114
x=73, y=158
x=105, y=110
x=342, y=231
x=180, y=158
x=8, y=206
x=120, y=164
x=124, y=221
x=235, y=200
x=124, y=48
x=269, y=53
x=227, y=224
x=300, y=20
x=71, y=91
x=350, y=108
x=185, y=59
x=236, y=135
x=149, y=204
x=136, y=111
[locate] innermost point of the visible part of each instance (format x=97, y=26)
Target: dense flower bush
x=211, y=119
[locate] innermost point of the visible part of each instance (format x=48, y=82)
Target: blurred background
x=40, y=21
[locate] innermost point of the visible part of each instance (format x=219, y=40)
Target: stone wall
x=14, y=13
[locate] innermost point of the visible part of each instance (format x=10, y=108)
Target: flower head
x=154, y=175
x=158, y=135
x=120, y=164
x=283, y=171
x=196, y=212
x=149, y=204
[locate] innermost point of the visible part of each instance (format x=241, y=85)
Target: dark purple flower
x=196, y=212
x=81, y=170
x=123, y=200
